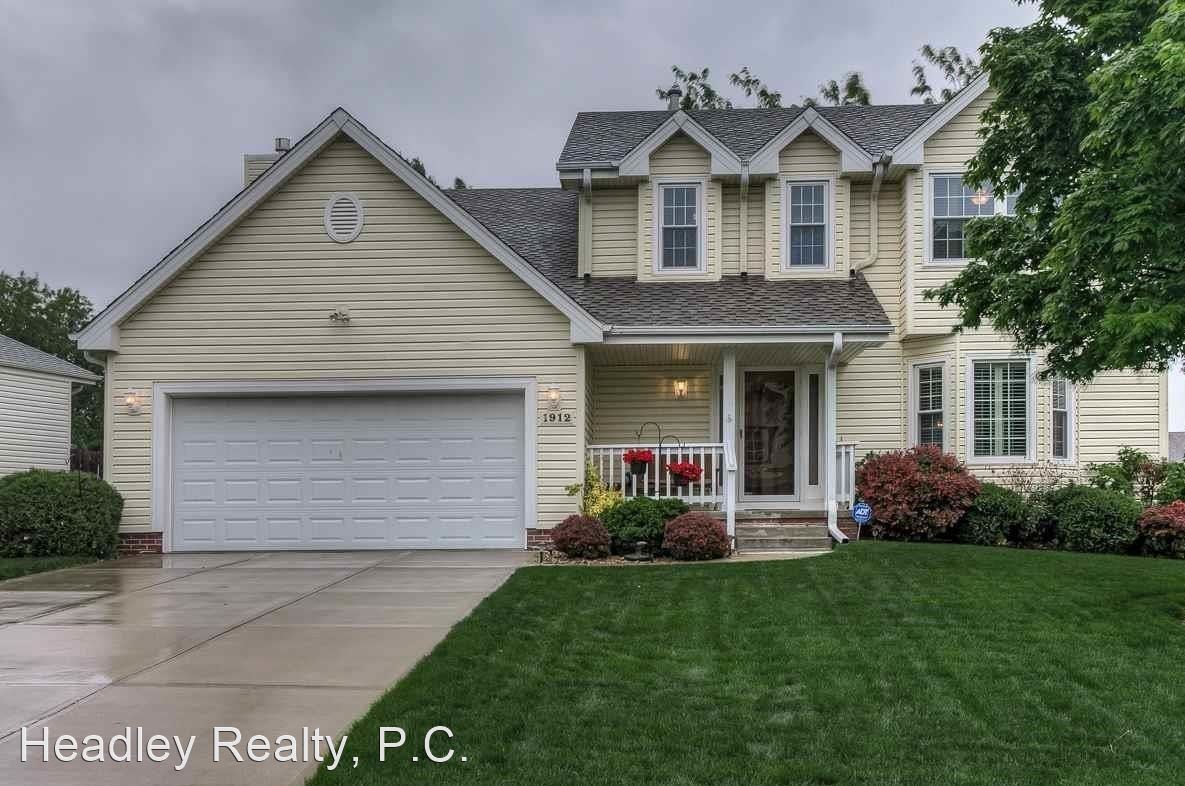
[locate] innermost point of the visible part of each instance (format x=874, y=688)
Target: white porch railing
x=711, y=488
x=845, y=474
x=656, y=481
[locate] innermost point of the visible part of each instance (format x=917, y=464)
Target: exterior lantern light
x=680, y=389
x=553, y=398
x=131, y=400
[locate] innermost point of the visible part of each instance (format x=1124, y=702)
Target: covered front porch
x=756, y=419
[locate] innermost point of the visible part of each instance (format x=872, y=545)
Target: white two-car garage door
x=348, y=472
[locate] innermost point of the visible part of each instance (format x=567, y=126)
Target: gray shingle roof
x=14, y=354
x=540, y=225
x=603, y=137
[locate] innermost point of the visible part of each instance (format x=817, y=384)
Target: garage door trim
x=163, y=394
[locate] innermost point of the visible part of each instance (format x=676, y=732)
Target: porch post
x=728, y=437
x=829, y=437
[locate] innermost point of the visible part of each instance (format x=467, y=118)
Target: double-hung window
x=928, y=384
x=952, y=204
x=1001, y=410
x=807, y=224
x=1060, y=423
x=679, y=238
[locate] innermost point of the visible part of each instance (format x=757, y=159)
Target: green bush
x=1040, y=528
x=48, y=514
x=640, y=518
x=1173, y=487
x=1134, y=473
x=1094, y=519
x=997, y=516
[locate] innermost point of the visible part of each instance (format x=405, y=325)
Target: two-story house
x=346, y=356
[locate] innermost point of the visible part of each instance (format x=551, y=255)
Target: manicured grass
x=879, y=664
x=12, y=567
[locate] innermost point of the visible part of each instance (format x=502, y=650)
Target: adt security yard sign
x=861, y=514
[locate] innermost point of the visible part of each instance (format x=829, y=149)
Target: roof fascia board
x=637, y=161
x=82, y=376
x=853, y=158
x=103, y=331
x=583, y=323
x=911, y=150
x=723, y=335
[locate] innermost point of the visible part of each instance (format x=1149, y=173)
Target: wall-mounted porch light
x=131, y=400
x=553, y=398
x=680, y=389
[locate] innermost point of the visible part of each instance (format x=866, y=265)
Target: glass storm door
x=768, y=447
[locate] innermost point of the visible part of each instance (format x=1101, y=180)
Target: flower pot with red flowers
x=684, y=473
x=638, y=459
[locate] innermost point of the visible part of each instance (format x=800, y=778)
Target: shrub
x=997, y=516
x=915, y=494
x=595, y=497
x=1162, y=530
x=47, y=514
x=634, y=520
x=1093, y=519
x=1134, y=473
x=696, y=536
x=670, y=507
x=581, y=536
x=1040, y=528
x=1173, y=487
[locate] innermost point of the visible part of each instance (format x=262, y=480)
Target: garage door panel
x=280, y=473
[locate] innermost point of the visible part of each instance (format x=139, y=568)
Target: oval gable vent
x=343, y=217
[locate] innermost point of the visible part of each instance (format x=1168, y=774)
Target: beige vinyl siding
x=614, y=231
x=625, y=397
x=808, y=157
x=1118, y=409
x=34, y=421
x=757, y=241
x=870, y=394
x=425, y=301
x=679, y=157
x=730, y=230
x=255, y=165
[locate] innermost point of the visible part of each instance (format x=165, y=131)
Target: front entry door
x=768, y=438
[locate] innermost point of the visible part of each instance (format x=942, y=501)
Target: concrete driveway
x=265, y=642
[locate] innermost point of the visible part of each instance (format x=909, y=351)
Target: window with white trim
x=679, y=226
x=1060, y=423
x=952, y=204
x=928, y=382
x=807, y=229
x=1000, y=409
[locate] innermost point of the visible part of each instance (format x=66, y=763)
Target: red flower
x=685, y=469
x=641, y=455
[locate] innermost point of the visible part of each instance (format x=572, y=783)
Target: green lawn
x=878, y=664
x=11, y=567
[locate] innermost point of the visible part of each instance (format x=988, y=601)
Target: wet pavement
x=266, y=642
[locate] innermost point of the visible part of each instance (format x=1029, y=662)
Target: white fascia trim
x=101, y=333
x=163, y=394
x=852, y=337
x=969, y=408
x=853, y=158
x=637, y=161
x=910, y=151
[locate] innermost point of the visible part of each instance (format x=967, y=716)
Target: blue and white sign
x=862, y=513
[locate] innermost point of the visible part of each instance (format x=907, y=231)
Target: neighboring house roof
x=541, y=225
x=14, y=354
x=1177, y=445
x=606, y=137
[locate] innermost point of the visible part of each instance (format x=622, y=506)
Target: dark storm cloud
x=122, y=125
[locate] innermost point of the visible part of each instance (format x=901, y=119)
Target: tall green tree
x=849, y=90
x=956, y=69
x=1089, y=119
x=41, y=317
x=697, y=91
x=752, y=86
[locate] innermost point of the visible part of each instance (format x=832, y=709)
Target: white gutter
x=764, y=330
x=878, y=175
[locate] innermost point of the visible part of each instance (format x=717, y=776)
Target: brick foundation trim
x=538, y=539
x=139, y=543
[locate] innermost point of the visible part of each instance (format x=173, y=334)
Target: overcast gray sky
x=123, y=124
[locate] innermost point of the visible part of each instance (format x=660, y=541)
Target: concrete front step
x=782, y=544
x=782, y=536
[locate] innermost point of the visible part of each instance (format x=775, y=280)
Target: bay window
x=1060, y=423
x=928, y=398
x=1001, y=410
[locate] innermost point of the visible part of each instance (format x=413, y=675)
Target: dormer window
x=680, y=234
x=808, y=224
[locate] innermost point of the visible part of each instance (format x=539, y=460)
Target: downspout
x=744, y=221
x=879, y=168
x=829, y=429
x=584, y=226
x=100, y=360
